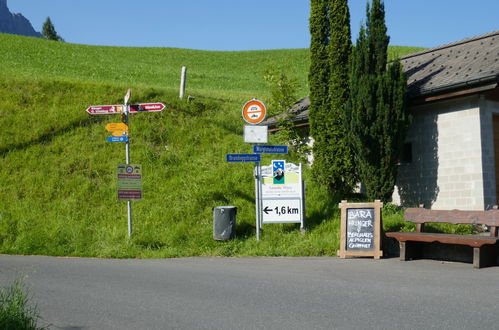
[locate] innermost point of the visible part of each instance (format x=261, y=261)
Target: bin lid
x=225, y=207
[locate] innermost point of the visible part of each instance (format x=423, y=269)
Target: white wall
x=446, y=171
x=487, y=110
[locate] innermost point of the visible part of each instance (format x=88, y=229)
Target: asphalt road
x=257, y=293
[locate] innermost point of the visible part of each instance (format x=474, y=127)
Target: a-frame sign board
x=360, y=230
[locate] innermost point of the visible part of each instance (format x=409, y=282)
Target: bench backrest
x=421, y=216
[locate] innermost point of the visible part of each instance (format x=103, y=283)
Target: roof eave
x=452, y=90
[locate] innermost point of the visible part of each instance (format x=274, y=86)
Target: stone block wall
x=446, y=171
x=488, y=109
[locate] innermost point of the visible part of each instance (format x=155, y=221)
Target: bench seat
x=470, y=240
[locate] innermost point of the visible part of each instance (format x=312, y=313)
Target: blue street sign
x=231, y=158
x=270, y=149
x=117, y=139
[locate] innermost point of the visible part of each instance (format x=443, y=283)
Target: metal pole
x=127, y=146
x=260, y=197
x=257, y=203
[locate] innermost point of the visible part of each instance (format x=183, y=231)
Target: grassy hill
x=57, y=172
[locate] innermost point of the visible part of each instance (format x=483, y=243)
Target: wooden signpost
x=361, y=232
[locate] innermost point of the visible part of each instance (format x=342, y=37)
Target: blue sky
x=247, y=24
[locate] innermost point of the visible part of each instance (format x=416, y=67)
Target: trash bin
x=224, y=222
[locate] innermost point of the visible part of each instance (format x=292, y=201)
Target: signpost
x=360, y=229
x=129, y=184
x=279, y=190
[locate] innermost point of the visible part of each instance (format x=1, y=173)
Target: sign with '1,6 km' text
x=282, y=193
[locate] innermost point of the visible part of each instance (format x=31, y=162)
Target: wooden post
x=183, y=78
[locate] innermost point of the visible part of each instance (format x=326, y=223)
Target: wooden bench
x=485, y=247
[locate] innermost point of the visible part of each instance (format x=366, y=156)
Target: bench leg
x=477, y=258
x=403, y=251
x=485, y=256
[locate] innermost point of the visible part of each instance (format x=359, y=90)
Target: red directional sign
x=111, y=109
x=104, y=109
x=146, y=107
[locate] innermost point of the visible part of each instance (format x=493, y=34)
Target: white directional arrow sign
x=282, y=210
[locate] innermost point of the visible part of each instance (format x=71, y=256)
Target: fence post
x=183, y=77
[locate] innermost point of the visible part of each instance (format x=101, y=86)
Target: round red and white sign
x=254, y=111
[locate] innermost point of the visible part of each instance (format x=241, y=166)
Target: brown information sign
x=360, y=229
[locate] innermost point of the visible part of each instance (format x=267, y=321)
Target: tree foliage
x=48, y=31
x=328, y=79
x=283, y=91
x=376, y=116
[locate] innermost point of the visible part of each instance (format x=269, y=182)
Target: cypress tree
x=48, y=31
x=319, y=67
x=328, y=80
x=376, y=115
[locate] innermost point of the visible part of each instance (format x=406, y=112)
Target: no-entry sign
x=254, y=111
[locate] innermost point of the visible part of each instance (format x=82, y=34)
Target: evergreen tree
x=328, y=79
x=376, y=115
x=48, y=31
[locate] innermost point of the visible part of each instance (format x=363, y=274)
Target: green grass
x=58, y=173
x=16, y=310
x=233, y=75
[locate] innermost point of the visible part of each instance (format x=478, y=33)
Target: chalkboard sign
x=360, y=229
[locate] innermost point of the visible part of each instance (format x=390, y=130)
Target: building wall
x=446, y=171
x=487, y=109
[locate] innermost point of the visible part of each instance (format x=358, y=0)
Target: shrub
x=15, y=310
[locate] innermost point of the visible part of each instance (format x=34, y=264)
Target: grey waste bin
x=224, y=222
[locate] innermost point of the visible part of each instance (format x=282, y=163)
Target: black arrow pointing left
x=267, y=210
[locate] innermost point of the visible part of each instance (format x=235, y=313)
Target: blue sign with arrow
x=117, y=139
x=239, y=158
x=270, y=149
